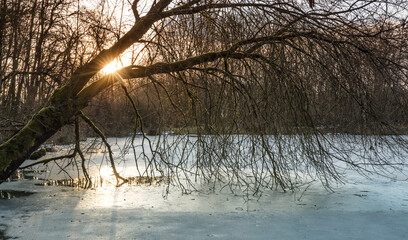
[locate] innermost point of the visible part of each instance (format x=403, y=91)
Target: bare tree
x=258, y=81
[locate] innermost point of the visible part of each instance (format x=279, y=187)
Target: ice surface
x=375, y=208
x=365, y=209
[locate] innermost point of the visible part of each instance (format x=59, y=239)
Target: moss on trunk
x=38, y=154
x=42, y=126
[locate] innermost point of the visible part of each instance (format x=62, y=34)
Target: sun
x=112, y=67
x=126, y=59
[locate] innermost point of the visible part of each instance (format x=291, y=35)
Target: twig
x=101, y=135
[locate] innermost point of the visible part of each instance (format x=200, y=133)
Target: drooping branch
x=88, y=181
x=131, y=72
x=102, y=136
x=278, y=7
x=77, y=150
x=48, y=160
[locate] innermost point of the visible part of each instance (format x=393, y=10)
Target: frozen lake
x=362, y=208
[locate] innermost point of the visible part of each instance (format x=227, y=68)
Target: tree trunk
x=41, y=127
x=65, y=102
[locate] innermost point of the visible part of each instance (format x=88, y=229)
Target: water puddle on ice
x=9, y=194
x=99, y=179
x=97, y=182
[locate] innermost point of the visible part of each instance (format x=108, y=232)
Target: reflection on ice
x=248, y=161
x=99, y=182
x=9, y=194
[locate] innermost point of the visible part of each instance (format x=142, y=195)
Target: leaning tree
x=274, y=90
